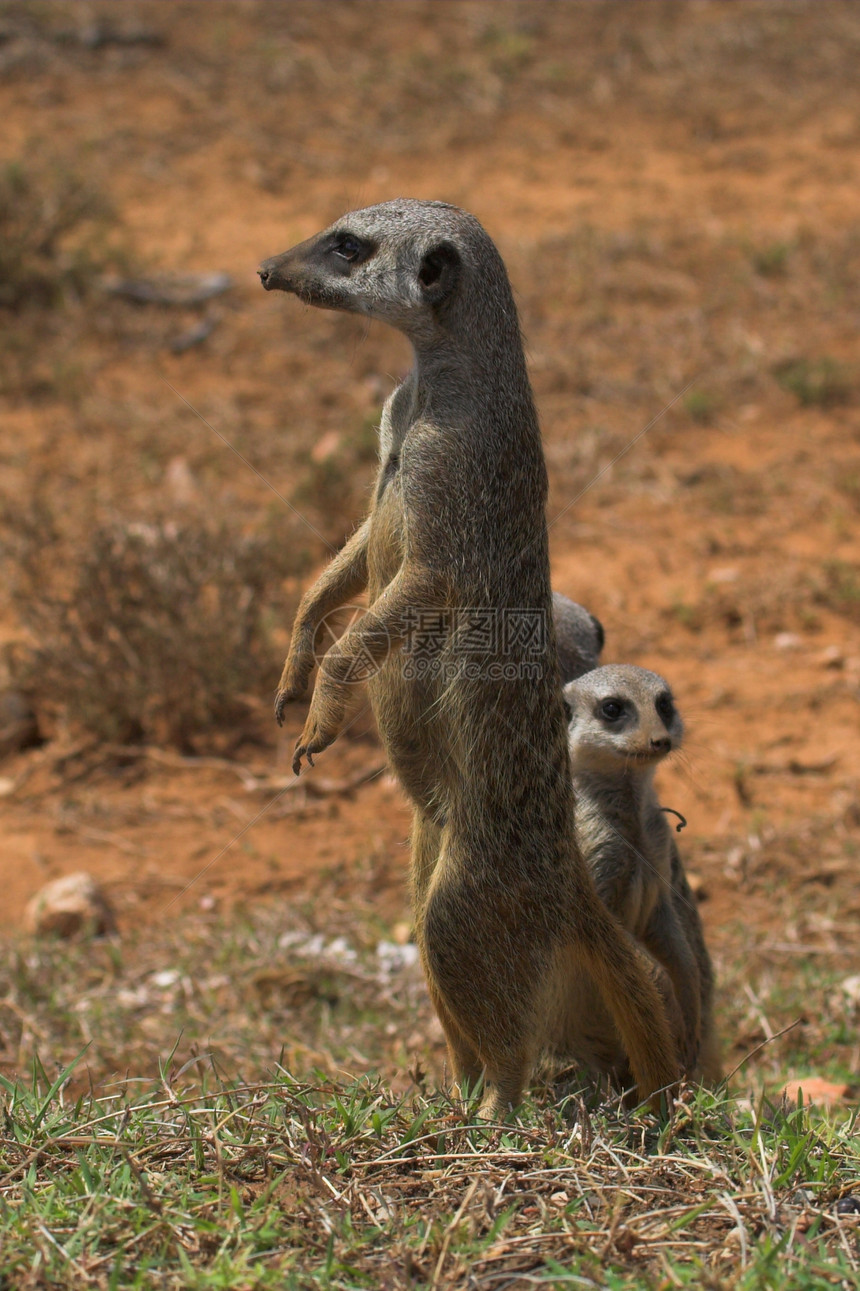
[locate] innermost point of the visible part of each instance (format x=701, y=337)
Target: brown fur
x=504, y=906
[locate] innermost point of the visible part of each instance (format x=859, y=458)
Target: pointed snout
x=291, y=270
x=305, y=271
x=270, y=276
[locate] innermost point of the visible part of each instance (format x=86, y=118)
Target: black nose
x=661, y=746
x=264, y=274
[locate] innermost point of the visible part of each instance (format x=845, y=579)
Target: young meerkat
x=624, y=722
x=505, y=909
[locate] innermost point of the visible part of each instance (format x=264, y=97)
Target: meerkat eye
x=611, y=709
x=348, y=249
x=665, y=708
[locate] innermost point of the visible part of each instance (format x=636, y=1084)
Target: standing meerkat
x=505, y=909
x=624, y=721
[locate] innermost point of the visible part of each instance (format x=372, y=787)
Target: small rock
x=815, y=1090
x=192, y=336
x=395, y=959
x=725, y=574
x=70, y=906
x=850, y=986
x=340, y=950
x=97, y=35
x=180, y=481
x=848, y=1206
x=326, y=446
x=182, y=290
x=787, y=641
x=832, y=657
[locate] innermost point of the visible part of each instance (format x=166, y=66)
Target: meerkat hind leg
x=467, y=1067
x=501, y=1091
x=488, y=1000
x=504, y=1071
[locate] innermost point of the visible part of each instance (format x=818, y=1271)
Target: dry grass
x=174, y=1172
x=303, y=1184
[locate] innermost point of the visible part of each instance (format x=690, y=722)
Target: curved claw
x=284, y=696
x=293, y=684
x=302, y=751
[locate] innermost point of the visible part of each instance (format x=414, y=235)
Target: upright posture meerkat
x=505, y=909
x=623, y=723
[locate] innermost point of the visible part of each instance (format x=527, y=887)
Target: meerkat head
x=621, y=717
x=579, y=637
x=401, y=261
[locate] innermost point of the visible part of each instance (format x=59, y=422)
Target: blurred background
x=674, y=188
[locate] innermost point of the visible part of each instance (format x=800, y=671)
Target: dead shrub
x=50, y=226
x=148, y=631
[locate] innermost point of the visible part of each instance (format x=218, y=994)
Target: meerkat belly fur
x=624, y=721
x=505, y=910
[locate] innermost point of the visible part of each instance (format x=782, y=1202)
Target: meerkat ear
x=439, y=271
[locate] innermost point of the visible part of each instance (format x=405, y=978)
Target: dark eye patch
x=665, y=707
x=348, y=249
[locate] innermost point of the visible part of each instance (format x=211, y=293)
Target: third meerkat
x=624, y=722
x=579, y=637
x=505, y=909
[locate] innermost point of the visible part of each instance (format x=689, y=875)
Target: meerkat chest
x=628, y=870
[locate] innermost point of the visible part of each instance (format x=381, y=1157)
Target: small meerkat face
x=397, y=261
x=621, y=715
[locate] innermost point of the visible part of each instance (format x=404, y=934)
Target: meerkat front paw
x=308, y=744
x=321, y=728
x=293, y=684
x=282, y=698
